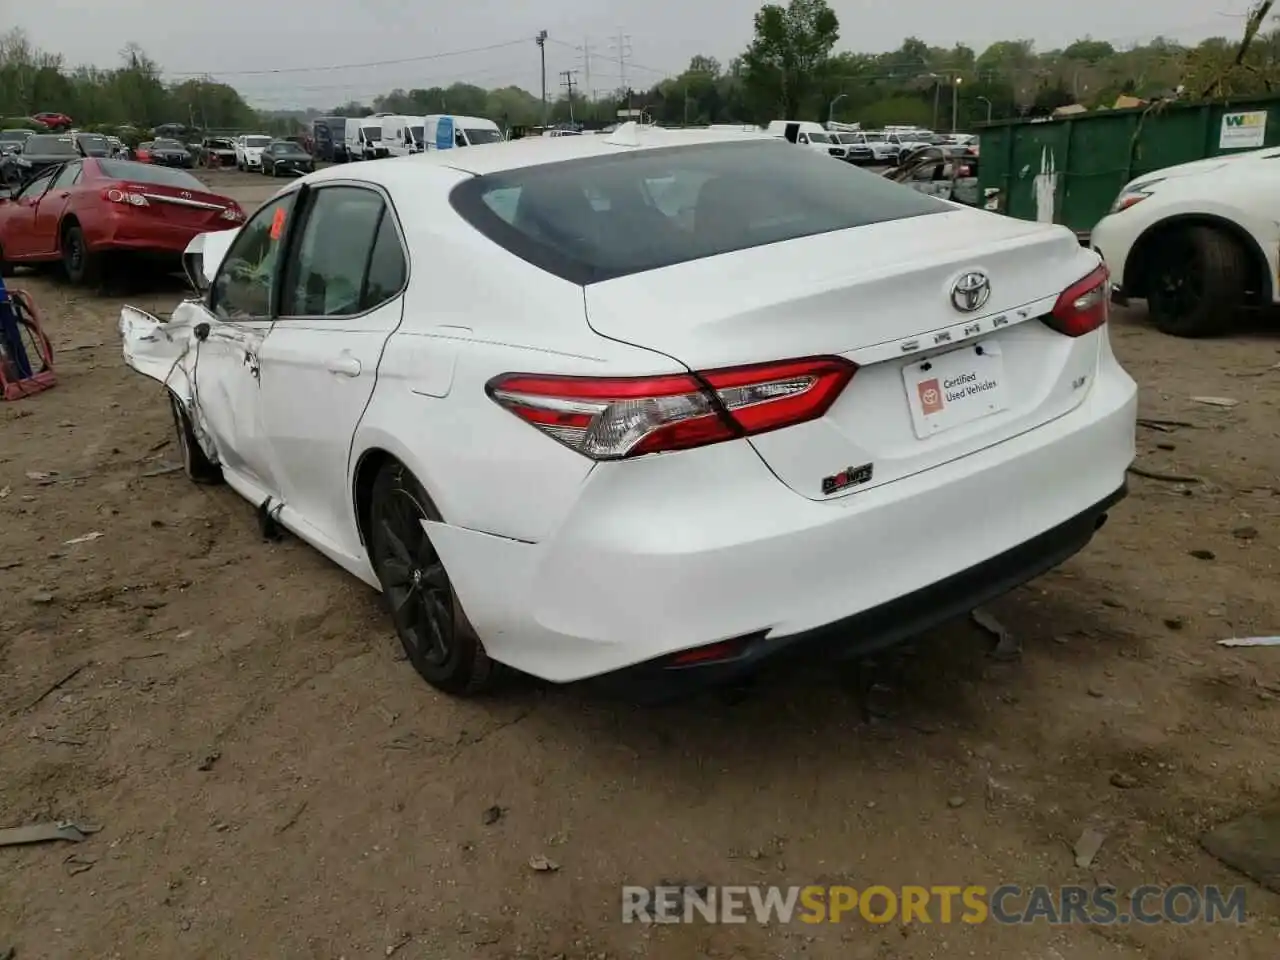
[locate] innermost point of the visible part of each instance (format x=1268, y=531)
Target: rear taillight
x=1083, y=306
x=125, y=197
x=612, y=418
x=233, y=213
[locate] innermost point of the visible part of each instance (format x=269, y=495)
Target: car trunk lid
x=881, y=296
x=198, y=209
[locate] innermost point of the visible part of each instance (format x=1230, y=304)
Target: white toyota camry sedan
x=651, y=407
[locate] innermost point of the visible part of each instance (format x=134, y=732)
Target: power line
x=356, y=66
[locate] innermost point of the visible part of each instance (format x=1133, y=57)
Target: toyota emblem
x=971, y=292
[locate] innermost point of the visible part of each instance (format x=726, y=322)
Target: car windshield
x=287, y=148
x=221, y=144
x=477, y=135
x=850, y=138
x=372, y=133
x=147, y=173
x=256, y=141
x=93, y=141
x=168, y=145
x=875, y=138
x=597, y=218
x=820, y=138
x=416, y=133
x=47, y=146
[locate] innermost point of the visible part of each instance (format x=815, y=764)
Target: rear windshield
x=256, y=141
x=148, y=173
x=597, y=218
x=168, y=145
x=477, y=136
x=287, y=148
x=50, y=146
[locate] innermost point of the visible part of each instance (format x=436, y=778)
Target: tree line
x=790, y=70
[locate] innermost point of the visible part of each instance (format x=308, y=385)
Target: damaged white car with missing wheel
x=654, y=407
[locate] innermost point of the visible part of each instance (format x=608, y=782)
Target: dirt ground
x=273, y=780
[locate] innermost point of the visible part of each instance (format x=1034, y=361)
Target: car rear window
x=598, y=218
x=148, y=173
x=50, y=146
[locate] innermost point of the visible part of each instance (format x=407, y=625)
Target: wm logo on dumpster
x=1244, y=120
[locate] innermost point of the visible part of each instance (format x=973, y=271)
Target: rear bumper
x=869, y=631
x=664, y=554
x=158, y=238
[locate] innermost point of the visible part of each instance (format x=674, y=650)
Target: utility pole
x=541, y=40
x=622, y=44
x=568, y=83
x=586, y=63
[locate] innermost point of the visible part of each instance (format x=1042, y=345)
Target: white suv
x=870, y=147
x=249, y=150
x=1198, y=241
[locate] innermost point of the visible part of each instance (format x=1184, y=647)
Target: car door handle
x=345, y=365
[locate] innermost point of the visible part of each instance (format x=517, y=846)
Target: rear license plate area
x=955, y=388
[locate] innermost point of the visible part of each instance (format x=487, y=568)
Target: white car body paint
x=1239, y=190
x=569, y=567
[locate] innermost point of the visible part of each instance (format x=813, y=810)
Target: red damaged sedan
x=85, y=210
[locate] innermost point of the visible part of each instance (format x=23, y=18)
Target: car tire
x=82, y=266
x=1196, y=282
x=428, y=619
x=195, y=463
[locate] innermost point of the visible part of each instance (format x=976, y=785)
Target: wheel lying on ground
x=1196, y=282
x=424, y=608
x=197, y=466
x=82, y=265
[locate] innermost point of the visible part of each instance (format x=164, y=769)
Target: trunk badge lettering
x=910, y=346
x=848, y=477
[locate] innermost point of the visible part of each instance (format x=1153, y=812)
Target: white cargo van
x=445, y=131
x=807, y=133
x=402, y=136
x=364, y=138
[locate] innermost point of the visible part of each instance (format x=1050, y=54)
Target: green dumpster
x=1070, y=170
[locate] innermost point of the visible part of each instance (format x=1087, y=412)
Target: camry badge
x=971, y=292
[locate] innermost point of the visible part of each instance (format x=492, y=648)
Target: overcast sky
x=315, y=39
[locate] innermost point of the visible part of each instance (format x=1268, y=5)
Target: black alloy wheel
x=424, y=609
x=1196, y=282
x=78, y=260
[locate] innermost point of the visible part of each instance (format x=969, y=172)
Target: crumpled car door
x=212, y=367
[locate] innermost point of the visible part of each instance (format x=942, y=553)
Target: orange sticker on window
x=277, y=223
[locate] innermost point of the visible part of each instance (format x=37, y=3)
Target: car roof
x=534, y=151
